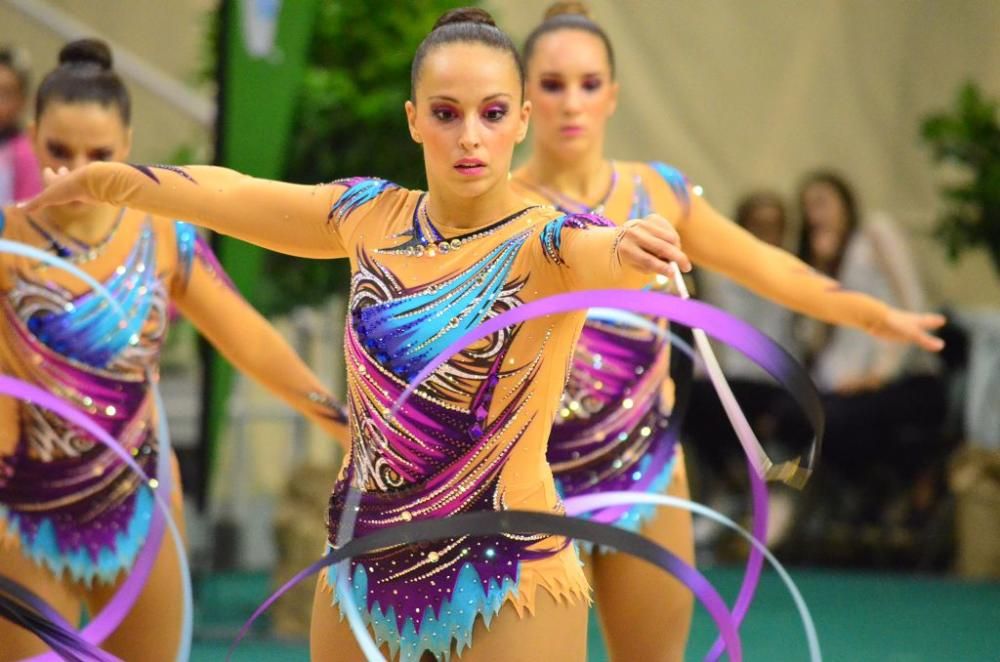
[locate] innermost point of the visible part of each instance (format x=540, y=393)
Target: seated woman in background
x=885, y=405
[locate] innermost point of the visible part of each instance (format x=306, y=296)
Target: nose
x=470, y=139
x=78, y=161
x=573, y=100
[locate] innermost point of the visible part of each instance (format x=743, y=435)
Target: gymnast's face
x=468, y=114
x=572, y=91
x=71, y=135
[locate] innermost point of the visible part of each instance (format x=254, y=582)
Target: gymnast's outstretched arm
x=717, y=243
x=287, y=218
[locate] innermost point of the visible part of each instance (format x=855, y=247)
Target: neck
x=89, y=224
x=467, y=213
x=583, y=178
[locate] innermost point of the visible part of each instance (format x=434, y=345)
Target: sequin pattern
x=441, y=455
x=74, y=506
x=611, y=431
x=551, y=236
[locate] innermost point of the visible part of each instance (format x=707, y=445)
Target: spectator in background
x=885, y=405
x=763, y=214
x=872, y=258
x=19, y=172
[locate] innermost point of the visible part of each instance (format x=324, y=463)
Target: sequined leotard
x=66, y=500
x=473, y=435
x=610, y=433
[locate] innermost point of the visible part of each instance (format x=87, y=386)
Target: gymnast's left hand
x=62, y=187
x=650, y=244
x=903, y=326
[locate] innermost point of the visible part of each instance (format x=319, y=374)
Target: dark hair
x=84, y=75
x=13, y=59
x=469, y=25
x=568, y=16
x=847, y=198
x=754, y=201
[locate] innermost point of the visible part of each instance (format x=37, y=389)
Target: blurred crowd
x=896, y=418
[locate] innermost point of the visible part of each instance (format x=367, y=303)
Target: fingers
x=44, y=199
x=49, y=175
x=916, y=329
x=928, y=342
x=920, y=325
x=660, y=227
x=57, y=191
x=932, y=321
x=657, y=237
x=630, y=252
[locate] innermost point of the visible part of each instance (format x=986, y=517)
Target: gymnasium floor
x=860, y=618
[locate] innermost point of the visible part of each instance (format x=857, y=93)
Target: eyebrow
x=440, y=97
x=52, y=142
x=561, y=74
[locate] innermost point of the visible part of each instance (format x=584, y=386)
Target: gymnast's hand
x=650, y=244
x=907, y=327
x=61, y=187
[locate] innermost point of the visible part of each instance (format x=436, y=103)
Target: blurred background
x=896, y=543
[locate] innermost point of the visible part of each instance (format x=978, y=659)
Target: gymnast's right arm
x=287, y=218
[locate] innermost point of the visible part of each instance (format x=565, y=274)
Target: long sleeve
x=583, y=250
x=287, y=218
x=252, y=345
x=712, y=241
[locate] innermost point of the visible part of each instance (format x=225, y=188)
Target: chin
x=571, y=145
x=472, y=188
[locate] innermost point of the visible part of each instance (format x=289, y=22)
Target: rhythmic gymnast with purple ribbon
x=613, y=430
x=74, y=518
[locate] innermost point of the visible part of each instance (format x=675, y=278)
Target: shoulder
x=186, y=238
x=178, y=240
x=359, y=192
x=660, y=173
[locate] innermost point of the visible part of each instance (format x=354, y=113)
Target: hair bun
x=465, y=15
x=567, y=9
x=86, y=51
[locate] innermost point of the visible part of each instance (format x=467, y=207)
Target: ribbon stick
x=699, y=316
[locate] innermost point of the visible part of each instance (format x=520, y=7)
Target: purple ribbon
x=720, y=325
x=113, y=613
x=525, y=522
